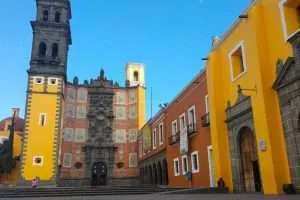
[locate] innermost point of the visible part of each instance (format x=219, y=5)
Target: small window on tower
x=52, y=81
x=39, y=80
x=42, y=121
x=57, y=17
x=136, y=76
x=42, y=49
x=54, y=50
x=45, y=15
x=38, y=160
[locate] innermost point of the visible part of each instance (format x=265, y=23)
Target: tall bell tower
x=46, y=80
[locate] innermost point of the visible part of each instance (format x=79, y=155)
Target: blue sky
x=169, y=36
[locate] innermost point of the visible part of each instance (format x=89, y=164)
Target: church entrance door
x=249, y=158
x=99, y=174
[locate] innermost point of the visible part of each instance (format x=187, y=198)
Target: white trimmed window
x=38, y=160
x=52, y=81
x=38, y=80
x=176, y=167
x=67, y=160
x=237, y=59
x=161, y=134
x=182, y=122
x=154, y=139
x=185, y=164
x=192, y=117
x=195, y=162
x=206, y=104
x=42, y=119
x=174, y=127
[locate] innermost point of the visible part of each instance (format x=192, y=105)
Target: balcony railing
x=192, y=129
x=174, y=138
x=205, y=120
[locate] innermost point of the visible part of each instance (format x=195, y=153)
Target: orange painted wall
x=194, y=94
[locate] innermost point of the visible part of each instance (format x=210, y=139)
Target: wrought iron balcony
x=174, y=138
x=205, y=120
x=192, y=129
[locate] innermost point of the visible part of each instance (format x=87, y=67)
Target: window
x=182, y=123
x=185, y=165
x=237, y=61
x=195, y=162
x=78, y=165
x=154, y=139
x=38, y=160
x=52, y=81
x=45, y=15
x=206, y=104
x=176, y=167
x=38, y=80
x=192, y=118
x=136, y=76
x=54, y=50
x=174, y=127
x=67, y=160
x=161, y=134
x=42, y=49
x=42, y=121
x=57, y=17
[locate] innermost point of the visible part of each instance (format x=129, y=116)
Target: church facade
x=77, y=134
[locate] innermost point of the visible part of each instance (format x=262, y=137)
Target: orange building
x=188, y=149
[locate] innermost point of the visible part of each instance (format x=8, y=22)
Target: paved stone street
x=174, y=197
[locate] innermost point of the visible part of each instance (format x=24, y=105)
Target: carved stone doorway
x=249, y=160
x=99, y=174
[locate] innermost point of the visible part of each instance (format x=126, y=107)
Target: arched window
x=136, y=76
x=57, y=17
x=45, y=15
x=42, y=49
x=54, y=50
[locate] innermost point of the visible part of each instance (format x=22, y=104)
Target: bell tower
x=135, y=74
x=46, y=80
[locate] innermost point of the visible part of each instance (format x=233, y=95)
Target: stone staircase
x=83, y=191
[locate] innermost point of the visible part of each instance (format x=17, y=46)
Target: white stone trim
x=39, y=77
x=180, y=117
x=193, y=107
x=38, y=164
x=194, y=170
x=242, y=46
x=206, y=104
x=176, y=173
x=52, y=78
x=286, y=35
x=45, y=119
x=182, y=163
x=154, y=138
x=176, y=130
x=161, y=133
x=211, y=168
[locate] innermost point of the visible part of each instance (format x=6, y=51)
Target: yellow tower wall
x=42, y=141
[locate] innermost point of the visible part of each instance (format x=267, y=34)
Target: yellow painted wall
x=13, y=177
x=141, y=103
x=39, y=140
x=264, y=43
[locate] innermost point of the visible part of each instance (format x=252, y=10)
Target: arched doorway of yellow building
x=249, y=160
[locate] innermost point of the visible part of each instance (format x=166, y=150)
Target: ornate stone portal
x=100, y=148
x=244, y=158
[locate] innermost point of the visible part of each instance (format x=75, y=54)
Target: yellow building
x=12, y=177
x=247, y=134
